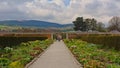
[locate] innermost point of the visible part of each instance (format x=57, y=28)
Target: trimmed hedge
x=105, y=40
x=12, y=41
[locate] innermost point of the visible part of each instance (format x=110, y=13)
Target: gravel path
x=56, y=56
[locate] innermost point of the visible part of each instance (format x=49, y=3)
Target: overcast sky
x=59, y=11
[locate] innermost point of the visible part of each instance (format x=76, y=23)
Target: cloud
x=59, y=11
x=45, y=10
x=9, y=10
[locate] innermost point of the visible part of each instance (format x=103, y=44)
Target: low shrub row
x=105, y=40
x=18, y=56
x=11, y=41
x=92, y=55
x=79, y=35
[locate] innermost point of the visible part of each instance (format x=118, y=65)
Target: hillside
x=33, y=23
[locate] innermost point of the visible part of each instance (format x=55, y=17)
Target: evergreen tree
x=79, y=24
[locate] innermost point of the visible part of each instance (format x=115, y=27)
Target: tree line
x=91, y=24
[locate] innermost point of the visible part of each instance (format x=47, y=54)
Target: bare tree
x=114, y=24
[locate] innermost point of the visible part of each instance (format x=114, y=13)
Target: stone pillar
x=52, y=36
x=67, y=36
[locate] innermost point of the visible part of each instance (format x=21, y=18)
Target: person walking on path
x=59, y=37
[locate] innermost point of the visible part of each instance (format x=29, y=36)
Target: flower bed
x=19, y=56
x=93, y=56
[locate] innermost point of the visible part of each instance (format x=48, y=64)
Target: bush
x=4, y=62
x=13, y=41
x=8, y=49
x=106, y=41
x=16, y=64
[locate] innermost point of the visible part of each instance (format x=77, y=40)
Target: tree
x=101, y=27
x=88, y=23
x=79, y=24
x=114, y=24
x=91, y=24
x=85, y=24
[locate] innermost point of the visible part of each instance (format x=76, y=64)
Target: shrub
x=13, y=41
x=8, y=49
x=16, y=64
x=107, y=41
x=4, y=62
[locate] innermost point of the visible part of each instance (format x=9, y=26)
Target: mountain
x=33, y=23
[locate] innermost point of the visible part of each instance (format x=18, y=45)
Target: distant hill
x=33, y=23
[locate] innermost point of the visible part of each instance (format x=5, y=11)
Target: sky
x=59, y=11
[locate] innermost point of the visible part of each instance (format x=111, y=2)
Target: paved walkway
x=57, y=56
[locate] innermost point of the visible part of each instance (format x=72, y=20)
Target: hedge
x=12, y=41
x=110, y=41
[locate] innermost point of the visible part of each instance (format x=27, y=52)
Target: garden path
x=56, y=56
